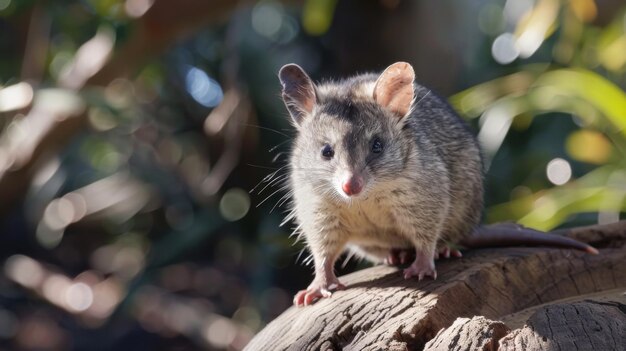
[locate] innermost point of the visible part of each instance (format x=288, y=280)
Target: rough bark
x=477, y=333
x=589, y=325
x=381, y=311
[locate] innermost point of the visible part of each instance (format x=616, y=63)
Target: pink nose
x=352, y=185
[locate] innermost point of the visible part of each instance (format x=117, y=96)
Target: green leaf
x=601, y=93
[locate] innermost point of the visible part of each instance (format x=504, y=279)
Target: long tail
x=509, y=234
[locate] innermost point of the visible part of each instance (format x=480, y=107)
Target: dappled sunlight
x=165, y=313
x=593, y=102
x=144, y=147
x=88, y=60
x=117, y=197
x=15, y=97
x=87, y=295
x=23, y=134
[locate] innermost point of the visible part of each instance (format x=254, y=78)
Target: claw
x=448, y=252
x=315, y=292
x=422, y=267
x=393, y=259
x=398, y=257
x=419, y=272
x=456, y=253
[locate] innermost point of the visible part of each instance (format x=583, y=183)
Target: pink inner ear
x=394, y=88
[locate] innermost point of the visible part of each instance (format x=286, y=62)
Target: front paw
x=316, y=291
x=422, y=267
x=419, y=271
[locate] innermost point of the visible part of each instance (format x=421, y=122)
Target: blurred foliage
x=133, y=131
x=582, y=81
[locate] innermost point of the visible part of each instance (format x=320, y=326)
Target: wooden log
x=477, y=333
x=381, y=311
x=588, y=325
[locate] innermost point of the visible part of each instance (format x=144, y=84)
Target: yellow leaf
x=588, y=146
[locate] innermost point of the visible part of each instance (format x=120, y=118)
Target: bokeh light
x=137, y=8
x=589, y=146
x=267, y=18
x=504, y=49
x=79, y=297
x=514, y=10
x=559, y=171
x=206, y=91
x=131, y=132
x=220, y=332
x=15, y=97
x=495, y=124
x=24, y=270
x=235, y=204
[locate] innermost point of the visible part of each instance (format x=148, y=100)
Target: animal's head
x=350, y=133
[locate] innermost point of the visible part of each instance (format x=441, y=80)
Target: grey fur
x=425, y=189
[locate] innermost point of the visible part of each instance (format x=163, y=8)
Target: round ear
x=298, y=91
x=394, y=88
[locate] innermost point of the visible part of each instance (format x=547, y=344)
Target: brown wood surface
x=587, y=325
x=381, y=311
x=477, y=333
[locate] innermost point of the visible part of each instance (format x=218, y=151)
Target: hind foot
x=397, y=257
x=447, y=252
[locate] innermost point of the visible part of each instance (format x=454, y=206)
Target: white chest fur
x=372, y=221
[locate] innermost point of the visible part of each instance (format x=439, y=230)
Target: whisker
x=277, y=146
x=267, y=178
x=300, y=255
x=278, y=155
x=277, y=179
x=283, y=198
x=288, y=218
x=265, y=128
x=272, y=194
x=259, y=166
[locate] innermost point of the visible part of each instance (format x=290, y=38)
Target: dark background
x=135, y=136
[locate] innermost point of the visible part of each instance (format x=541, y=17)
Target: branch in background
x=162, y=24
x=118, y=197
x=56, y=116
x=43, y=131
x=90, y=58
x=228, y=118
x=36, y=51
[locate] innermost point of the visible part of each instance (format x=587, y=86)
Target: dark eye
x=377, y=146
x=328, y=152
